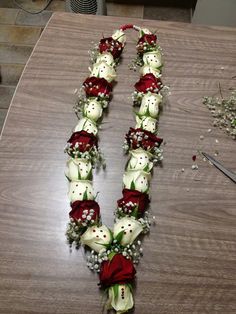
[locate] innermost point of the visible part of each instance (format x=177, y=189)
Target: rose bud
x=148, y=69
x=111, y=45
x=139, y=138
x=152, y=58
x=106, y=57
x=149, y=38
x=150, y=105
x=81, y=142
x=140, y=160
x=131, y=227
x=103, y=70
x=119, y=270
x=85, y=211
x=95, y=87
x=121, y=302
x=133, y=200
x=146, y=123
x=80, y=190
x=137, y=180
x=86, y=125
x=148, y=82
x=95, y=237
x=119, y=35
x=78, y=169
x=92, y=109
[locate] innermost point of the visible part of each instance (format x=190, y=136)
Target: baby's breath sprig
x=224, y=112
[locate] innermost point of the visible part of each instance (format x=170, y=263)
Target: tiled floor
x=19, y=31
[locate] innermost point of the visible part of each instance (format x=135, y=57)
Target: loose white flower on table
x=150, y=104
x=140, y=160
x=86, y=125
x=123, y=301
x=106, y=57
x=144, y=31
x=80, y=190
x=137, y=180
x=95, y=237
x=93, y=109
x=78, y=169
x=119, y=35
x=149, y=69
x=146, y=123
x=103, y=70
x=152, y=58
x=131, y=228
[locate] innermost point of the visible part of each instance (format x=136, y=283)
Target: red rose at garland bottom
x=137, y=138
x=82, y=209
x=141, y=201
x=95, y=86
x=84, y=141
x=117, y=271
x=148, y=82
x=111, y=45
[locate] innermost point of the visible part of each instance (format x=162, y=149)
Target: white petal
x=95, y=237
x=86, y=125
x=131, y=227
x=123, y=302
x=77, y=190
x=93, y=109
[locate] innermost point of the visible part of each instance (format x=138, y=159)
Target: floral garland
x=114, y=253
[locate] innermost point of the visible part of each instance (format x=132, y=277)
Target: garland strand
x=114, y=253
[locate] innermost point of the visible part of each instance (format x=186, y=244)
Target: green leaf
x=79, y=176
x=111, y=234
x=146, y=169
x=135, y=212
x=132, y=186
x=130, y=287
x=116, y=290
x=90, y=175
x=68, y=178
x=111, y=255
x=148, y=112
x=119, y=236
x=85, y=196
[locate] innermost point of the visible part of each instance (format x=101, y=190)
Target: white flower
x=144, y=31
x=122, y=302
x=78, y=169
x=149, y=69
x=131, y=227
x=146, y=123
x=152, y=58
x=140, y=160
x=93, y=109
x=136, y=180
x=150, y=104
x=95, y=237
x=119, y=35
x=106, y=57
x=86, y=125
x=80, y=190
x=103, y=70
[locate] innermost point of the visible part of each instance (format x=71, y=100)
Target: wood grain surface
x=189, y=263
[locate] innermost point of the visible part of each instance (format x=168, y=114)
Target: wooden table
x=189, y=263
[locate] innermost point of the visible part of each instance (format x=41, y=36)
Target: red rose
x=81, y=209
x=95, y=86
x=141, y=138
x=117, y=271
x=83, y=140
x=111, y=45
x=146, y=40
x=139, y=199
x=148, y=82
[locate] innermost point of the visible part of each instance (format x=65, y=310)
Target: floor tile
x=10, y=73
x=8, y=16
x=41, y=19
x=6, y=93
x=14, y=54
x=167, y=14
x=116, y=9
x=19, y=35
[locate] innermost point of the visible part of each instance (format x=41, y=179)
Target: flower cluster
x=113, y=253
